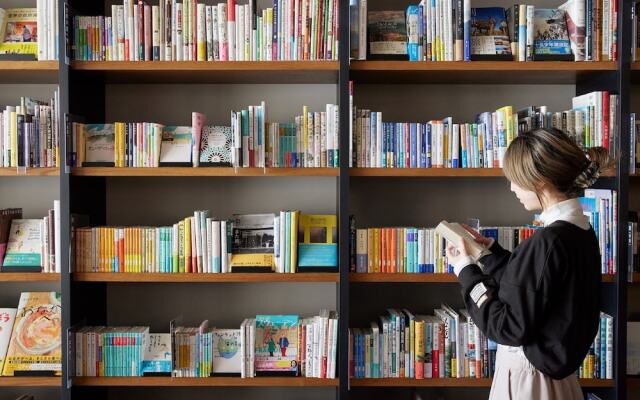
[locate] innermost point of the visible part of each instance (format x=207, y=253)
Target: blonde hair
x=549, y=156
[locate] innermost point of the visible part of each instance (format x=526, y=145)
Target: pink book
x=231, y=29
x=147, y=32
x=197, y=122
x=194, y=30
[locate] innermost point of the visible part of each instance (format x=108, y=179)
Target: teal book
x=24, y=248
x=317, y=247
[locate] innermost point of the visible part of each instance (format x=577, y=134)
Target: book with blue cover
x=317, y=247
x=490, y=35
x=551, y=37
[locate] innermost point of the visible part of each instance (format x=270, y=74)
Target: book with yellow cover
x=19, y=31
x=317, y=247
x=36, y=336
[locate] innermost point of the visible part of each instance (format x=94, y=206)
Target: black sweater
x=544, y=297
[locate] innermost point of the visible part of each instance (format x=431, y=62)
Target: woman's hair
x=550, y=156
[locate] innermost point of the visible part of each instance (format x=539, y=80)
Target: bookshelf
x=32, y=72
x=29, y=277
x=204, y=278
x=203, y=171
x=32, y=381
x=456, y=382
x=420, y=278
x=29, y=172
x=207, y=382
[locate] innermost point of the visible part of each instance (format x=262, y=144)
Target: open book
x=456, y=234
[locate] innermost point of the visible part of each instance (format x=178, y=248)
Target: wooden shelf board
x=419, y=278
x=214, y=381
x=212, y=72
x=636, y=280
x=29, y=72
x=633, y=381
x=30, y=172
x=31, y=381
x=454, y=382
x=29, y=277
x=204, y=171
x=483, y=72
x=204, y=278
x=435, y=172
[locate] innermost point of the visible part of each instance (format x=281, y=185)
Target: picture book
x=276, y=345
x=456, y=234
x=19, y=31
x=157, y=355
x=35, y=339
x=387, y=31
x=215, y=146
x=226, y=351
x=252, y=243
x=489, y=34
x=7, y=318
x=24, y=248
x=175, y=149
x=551, y=38
x=317, y=243
x=99, y=142
x=6, y=216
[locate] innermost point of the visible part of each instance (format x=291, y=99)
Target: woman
x=541, y=302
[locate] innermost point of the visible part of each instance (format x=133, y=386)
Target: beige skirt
x=516, y=379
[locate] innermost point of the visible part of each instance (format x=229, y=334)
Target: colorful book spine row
x=415, y=250
x=599, y=361
x=29, y=134
x=193, y=351
x=481, y=144
x=193, y=31
x=110, y=351
x=402, y=345
x=601, y=206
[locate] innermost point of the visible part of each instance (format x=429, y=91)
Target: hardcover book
x=99, y=141
x=24, y=249
x=252, y=243
x=215, y=146
x=6, y=216
x=490, y=35
x=387, y=32
x=317, y=247
x=551, y=39
x=175, y=150
x=19, y=31
x=456, y=234
x=7, y=318
x=157, y=355
x=34, y=348
x=276, y=345
x=226, y=352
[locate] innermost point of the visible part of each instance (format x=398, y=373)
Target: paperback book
x=489, y=35
x=276, y=345
x=551, y=39
x=252, y=243
x=387, y=35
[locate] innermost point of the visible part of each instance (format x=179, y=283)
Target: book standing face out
x=226, y=352
x=276, y=345
x=24, y=248
x=252, y=243
x=490, y=35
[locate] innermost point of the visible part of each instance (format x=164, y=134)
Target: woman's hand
x=458, y=257
x=485, y=241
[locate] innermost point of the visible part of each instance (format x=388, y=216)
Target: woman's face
x=528, y=198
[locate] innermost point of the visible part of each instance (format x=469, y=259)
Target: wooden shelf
x=29, y=277
x=31, y=381
x=420, y=278
x=435, y=172
x=482, y=72
x=30, y=171
x=211, y=72
x=636, y=279
x=29, y=72
x=204, y=171
x=633, y=381
x=204, y=278
x=453, y=382
x=216, y=381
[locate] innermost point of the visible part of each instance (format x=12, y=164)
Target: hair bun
x=589, y=176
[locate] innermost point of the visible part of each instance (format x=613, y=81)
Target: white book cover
x=25, y=244
x=227, y=357
x=157, y=354
x=7, y=318
x=176, y=144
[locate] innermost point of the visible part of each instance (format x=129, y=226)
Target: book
x=215, y=146
x=276, y=345
x=99, y=145
x=226, y=351
x=197, y=122
x=157, y=355
x=456, y=234
x=387, y=35
x=6, y=216
x=317, y=243
x=551, y=39
x=176, y=147
x=24, y=248
x=252, y=243
x=35, y=340
x=576, y=25
x=19, y=31
x=7, y=318
x=490, y=34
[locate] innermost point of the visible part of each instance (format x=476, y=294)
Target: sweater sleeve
x=508, y=311
x=493, y=264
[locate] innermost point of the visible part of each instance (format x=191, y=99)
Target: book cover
x=19, y=31
x=226, y=351
x=6, y=216
x=387, y=33
x=489, y=34
x=215, y=146
x=34, y=348
x=99, y=141
x=576, y=26
x=7, y=318
x=252, y=243
x=317, y=243
x=24, y=248
x=157, y=355
x=276, y=345
x=551, y=38
x=175, y=149
x=456, y=234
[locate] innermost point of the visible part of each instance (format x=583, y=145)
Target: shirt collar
x=567, y=210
